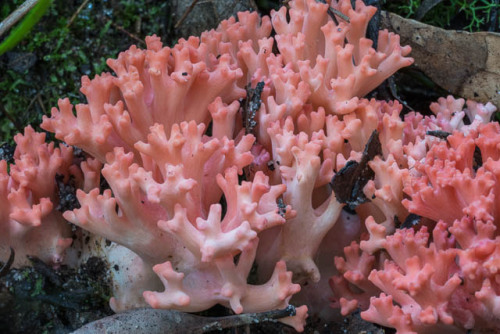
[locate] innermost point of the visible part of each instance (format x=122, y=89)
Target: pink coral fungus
x=219, y=153
x=30, y=222
x=447, y=282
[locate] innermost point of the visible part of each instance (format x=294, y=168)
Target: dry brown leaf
x=465, y=64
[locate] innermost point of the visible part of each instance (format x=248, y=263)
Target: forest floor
x=75, y=38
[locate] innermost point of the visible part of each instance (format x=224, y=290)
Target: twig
x=334, y=12
x=394, y=93
x=4, y=112
x=186, y=13
x=118, y=27
x=40, y=102
x=73, y=17
x=16, y=15
x=33, y=101
x=5, y=269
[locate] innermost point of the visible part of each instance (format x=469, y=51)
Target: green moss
x=471, y=15
x=65, y=50
x=38, y=287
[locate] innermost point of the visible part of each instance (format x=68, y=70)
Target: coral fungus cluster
x=236, y=150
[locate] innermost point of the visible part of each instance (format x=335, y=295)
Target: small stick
x=73, y=17
x=334, y=12
x=118, y=27
x=5, y=269
x=16, y=15
x=4, y=112
x=33, y=101
x=186, y=13
x=392, y=89
x=40, y=102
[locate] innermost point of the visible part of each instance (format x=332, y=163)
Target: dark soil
x=39, y=299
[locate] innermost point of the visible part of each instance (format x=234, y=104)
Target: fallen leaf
x=348, y=183
x=463, y=63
